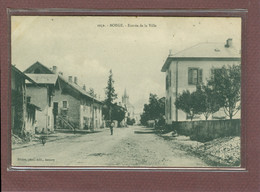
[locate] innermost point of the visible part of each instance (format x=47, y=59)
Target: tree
x=92, y=92
x=189, y=103
x=226, y=85
x=118, y=113
x=110, y=94
x=208, y=100
x=154, y=110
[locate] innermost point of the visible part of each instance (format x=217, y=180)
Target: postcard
x=125, y=91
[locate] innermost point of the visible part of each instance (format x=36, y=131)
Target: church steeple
x=125, y=98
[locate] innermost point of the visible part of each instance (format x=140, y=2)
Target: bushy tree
x=154, y=110
x=118, y=113
x=190, y=103
x=226, y=85
x=208, y=100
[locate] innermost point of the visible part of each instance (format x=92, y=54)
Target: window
x=215, y=72
x=168, y=80
x=194, y=76
x=170, y=108
x=49, y=121
x=65, y=104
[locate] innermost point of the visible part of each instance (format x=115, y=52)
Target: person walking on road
x=111, y=127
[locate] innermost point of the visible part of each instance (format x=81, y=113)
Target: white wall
x=183, y=83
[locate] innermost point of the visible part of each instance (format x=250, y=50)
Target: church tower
x=125, y=98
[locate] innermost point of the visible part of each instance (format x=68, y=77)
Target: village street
x=132, y=146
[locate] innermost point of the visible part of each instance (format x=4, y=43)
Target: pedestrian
x=111, y=127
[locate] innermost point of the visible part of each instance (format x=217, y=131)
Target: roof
x=37, y=65
x=78, y=88
x=204, y=51
x=22, y=74
x=44, y=78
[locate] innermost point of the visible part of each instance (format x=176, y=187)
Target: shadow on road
x=145, y=131
x=77, y=131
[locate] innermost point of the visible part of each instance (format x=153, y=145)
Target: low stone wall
x=208, y=130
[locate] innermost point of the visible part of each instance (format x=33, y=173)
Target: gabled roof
x=78, y=88
x=37, y=65
x=204, y=51
x=22, y=74
x=44, y=78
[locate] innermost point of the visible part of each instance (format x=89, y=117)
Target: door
x=55, y=113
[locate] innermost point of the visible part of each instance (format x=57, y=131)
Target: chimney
x=170, y=52
x=75, y=80
x=228, y=43
x=84, y=87
x=54, y=69
x=70, y=79
x=61, y=73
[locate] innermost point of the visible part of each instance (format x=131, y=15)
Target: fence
x=208, y=130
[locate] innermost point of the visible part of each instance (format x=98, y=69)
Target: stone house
x=23, y=112
x=71, y=105
x=42, y=96
x=195, y=65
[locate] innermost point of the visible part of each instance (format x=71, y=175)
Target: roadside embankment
x=218, y=152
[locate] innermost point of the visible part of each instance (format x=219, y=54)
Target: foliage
x=110, y=96
x=118, y=113
x=208, y=100
x=226, y=85
x=92, y=92
x=154, y=110
x=130, y=121
x=190, y=103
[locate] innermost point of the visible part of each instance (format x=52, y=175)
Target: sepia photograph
x=125, y=91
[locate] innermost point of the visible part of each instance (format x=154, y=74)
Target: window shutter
x=212, y=72
x=200, y=76
x=166, y=82
x=170, y=79
x=189, y=76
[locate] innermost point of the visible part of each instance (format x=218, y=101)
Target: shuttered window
x=194, y=76
x=166, y=82
x=65, y=104
x=215, y=72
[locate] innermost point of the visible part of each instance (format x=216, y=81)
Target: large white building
x=191, y=66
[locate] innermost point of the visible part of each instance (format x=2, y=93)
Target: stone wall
x=208, y=130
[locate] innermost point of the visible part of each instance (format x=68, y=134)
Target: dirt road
x=133, y=146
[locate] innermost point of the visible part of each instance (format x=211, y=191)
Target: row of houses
x=43, y=100
x=185, y=69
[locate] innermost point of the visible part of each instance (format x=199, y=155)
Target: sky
x=135, y=48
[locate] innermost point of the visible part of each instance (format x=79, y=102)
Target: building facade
x=66, y=105
x=184, y=70
x=23, y=112
x=42, y=96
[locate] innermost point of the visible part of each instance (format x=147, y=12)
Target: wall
x=208, y=130
x=39, y=97
x=30, y=123
x=85, y=116
x=183, y=84
x=73, y=114
x=18, y=113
